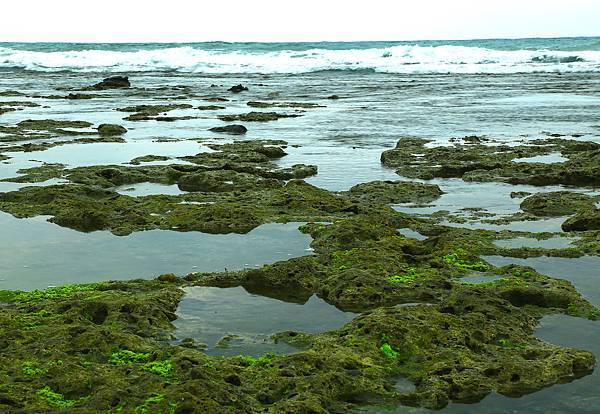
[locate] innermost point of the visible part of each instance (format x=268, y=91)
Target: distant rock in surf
x=238, y=88
x=114, y=82
x=230, y=129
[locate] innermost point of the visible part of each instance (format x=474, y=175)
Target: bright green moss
x=125, y=356
x=262, y=360
x=55, y=399
x=455, y=259
x=161, y=368
x=409, y=276
x=31, y=368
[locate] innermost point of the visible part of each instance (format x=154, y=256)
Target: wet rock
x=584, y=221
x=113, y=82
x=302, y=105
x=230, y=129
x=519, y=194
x=256, y=117
x=210, y=107
x=79, y=96
x=111, y=129
x=152, y=112
x=237, y=88
x=386, y=192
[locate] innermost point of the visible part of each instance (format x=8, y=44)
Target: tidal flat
x=328, y=242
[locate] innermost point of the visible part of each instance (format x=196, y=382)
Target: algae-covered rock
x=152, y=112
x=210, y=107
x=386, y=192
x=480, y=162
x=111, y=129
x=559, y=203
x=584, y=221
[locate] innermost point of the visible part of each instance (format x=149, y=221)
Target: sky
x=303, y=20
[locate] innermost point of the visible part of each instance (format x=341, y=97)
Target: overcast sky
x=302, y=20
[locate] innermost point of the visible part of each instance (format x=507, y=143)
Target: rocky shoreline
x=109, y=346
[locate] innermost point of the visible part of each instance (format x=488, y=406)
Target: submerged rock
x=230, y=129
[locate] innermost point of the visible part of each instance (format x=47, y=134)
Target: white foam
x=396, y=59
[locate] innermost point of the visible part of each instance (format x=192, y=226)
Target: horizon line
x=302, y=41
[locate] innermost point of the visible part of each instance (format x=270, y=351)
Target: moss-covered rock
x=559, y=203
x=111, y=129
x=584, y=221
x=482, y=162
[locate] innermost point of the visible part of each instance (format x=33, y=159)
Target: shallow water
x=208, y=314
x=551, y=243
x=36, y=254
x=412, y=234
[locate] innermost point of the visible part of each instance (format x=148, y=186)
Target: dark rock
x=114, y=82
x=230, y=129
x=238, y=88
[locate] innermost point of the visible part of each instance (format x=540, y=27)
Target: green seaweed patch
x=409, y=276
x=125, y=357
x=32, y=369
x=55, y=399
x=507, y=343
x=387, y=349
x=457, y=259
x=160, y=368
x=260, y=361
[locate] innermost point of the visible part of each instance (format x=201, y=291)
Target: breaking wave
x=393, y=59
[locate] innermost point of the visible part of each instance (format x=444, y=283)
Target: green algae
x=160, y=368
x=125, y=356
x=55, y=399
x=457, y=259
